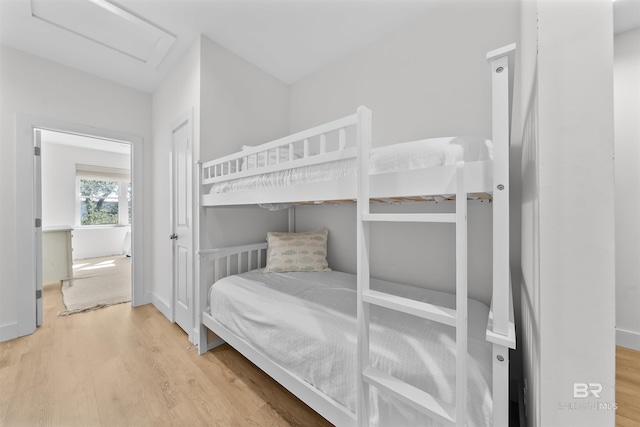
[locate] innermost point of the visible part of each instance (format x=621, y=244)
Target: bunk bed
x=338, y=361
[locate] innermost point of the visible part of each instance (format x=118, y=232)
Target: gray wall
x=417, y=87
x=627, y=146
x=47, y=90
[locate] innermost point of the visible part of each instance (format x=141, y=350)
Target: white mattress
x=425, y=153
x=306, y=322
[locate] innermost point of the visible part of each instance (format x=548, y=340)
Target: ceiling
x=137, y=42
x=286, y=38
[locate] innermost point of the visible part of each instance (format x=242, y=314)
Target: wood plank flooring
x=627, y=387
x=123, y=366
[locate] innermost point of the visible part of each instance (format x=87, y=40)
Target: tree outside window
x=102, y=200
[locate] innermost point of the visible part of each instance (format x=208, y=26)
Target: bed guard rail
x=321, y=144
x=247, y=257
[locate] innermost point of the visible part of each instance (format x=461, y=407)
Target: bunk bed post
x=363, y=277
x=502, y=307
x=291, y=212
x=461, y=296
x=501, y=115
x=200, y=299
x=203, y=342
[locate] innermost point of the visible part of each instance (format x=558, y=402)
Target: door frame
x=25, y=205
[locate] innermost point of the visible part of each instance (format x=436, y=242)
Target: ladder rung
x=416, y=398
x=425, y=310
x=428, y=217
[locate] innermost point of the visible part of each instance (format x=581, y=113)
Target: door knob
x=174, y=236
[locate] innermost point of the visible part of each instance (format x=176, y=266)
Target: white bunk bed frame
x=460, y=179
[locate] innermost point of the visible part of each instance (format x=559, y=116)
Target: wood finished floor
x=627, y=387
x=123, y=366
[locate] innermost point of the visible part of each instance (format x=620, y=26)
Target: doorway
x=85, y=195
x=28, y=226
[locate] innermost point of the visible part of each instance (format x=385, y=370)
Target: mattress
x=306, y=322
x=425, y=153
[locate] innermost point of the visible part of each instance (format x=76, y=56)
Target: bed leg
x=500, y=385
x=203, y=344
x=202, y=340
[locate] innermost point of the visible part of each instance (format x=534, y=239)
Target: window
x=104, y=196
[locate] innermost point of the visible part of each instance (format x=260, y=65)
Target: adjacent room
x=86, y=219
x=313, y=213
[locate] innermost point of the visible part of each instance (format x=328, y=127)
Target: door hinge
x=38, y=222
x=36, y=151
x=38, y=293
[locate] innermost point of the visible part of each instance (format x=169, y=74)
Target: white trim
x=162, y=306
x=628, y=339
x=25, y=236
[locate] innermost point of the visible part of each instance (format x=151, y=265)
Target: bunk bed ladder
x=370, y=376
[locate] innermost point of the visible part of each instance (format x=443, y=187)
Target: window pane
x=98, y=202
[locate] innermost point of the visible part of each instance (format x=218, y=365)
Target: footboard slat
x=220, y=257
x=225, y=255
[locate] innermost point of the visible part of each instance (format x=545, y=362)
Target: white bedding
x=306, y=322
x=425, y=153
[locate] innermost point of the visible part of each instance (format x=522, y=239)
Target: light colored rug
x=97, y=283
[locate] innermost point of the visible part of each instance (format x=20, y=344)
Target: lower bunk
x=301, y=329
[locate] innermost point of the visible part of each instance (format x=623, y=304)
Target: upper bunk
x=320, y=164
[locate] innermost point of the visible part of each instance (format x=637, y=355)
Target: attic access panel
x=108, y=25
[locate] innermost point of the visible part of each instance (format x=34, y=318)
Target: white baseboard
x=162, y=306
x=8, y=332
x=628, y=339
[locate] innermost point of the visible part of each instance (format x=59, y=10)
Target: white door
x=182, y=224
x=37, y=208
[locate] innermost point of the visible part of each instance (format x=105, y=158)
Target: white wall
x=233, y=103
x=627, y=147
x=41, y=88
x=240, y=105
x=92, y=242
x=429, y=78
x=59, y=204
x=178, y=95
x=568, y=256
x=529, y=326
